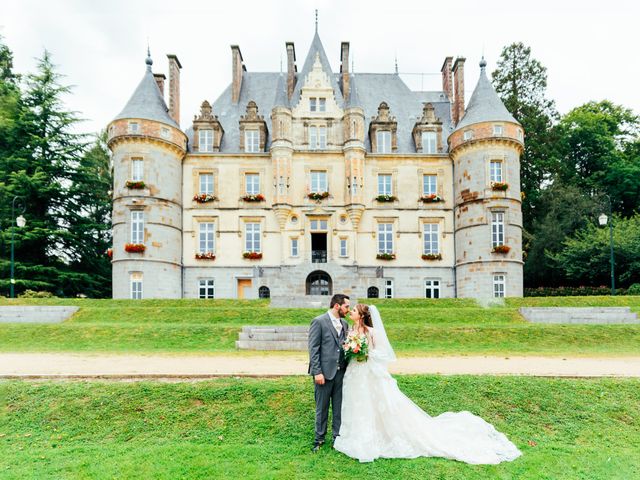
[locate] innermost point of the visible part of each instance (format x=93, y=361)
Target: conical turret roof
x=485, y=105
x=147, y=101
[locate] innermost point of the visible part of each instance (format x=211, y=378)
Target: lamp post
x=603, y=220
x=21, y=222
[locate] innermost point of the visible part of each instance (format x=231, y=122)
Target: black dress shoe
x=316, y=447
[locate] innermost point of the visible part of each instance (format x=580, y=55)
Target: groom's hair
x=338, y=298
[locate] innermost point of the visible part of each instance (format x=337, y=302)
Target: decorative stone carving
x=252, y=121
x=428, y=123
x=207, y=121
x=384, y=121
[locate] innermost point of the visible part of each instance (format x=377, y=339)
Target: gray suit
x=326, y=356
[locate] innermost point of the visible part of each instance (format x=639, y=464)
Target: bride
x=379, y=421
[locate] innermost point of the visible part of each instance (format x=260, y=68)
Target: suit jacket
x=325, y=347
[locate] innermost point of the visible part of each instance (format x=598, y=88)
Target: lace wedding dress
x=379, y=421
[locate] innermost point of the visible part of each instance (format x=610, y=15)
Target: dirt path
x=70, y=365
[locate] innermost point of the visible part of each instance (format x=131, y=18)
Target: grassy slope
x=416, y=326
x=262, y=429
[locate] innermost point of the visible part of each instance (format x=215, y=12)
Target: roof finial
x=316, y=20
x=483, y=63
x=396, y=63
x=148, y=61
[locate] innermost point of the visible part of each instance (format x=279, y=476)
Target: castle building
x=310, y=182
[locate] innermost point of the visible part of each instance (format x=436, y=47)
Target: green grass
x=262, y=429
x=415, y=326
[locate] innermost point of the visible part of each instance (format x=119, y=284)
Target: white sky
x=589, y=47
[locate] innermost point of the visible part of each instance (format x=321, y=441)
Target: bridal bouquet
x=356, y=346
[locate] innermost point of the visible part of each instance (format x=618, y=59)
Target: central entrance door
x=318, y=248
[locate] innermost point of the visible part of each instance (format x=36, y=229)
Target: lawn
x=415, y=326
x=262, y=429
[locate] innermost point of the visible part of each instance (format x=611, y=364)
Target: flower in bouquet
x=356, y=346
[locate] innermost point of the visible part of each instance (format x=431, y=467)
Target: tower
x=147, y=148
x=485, y=148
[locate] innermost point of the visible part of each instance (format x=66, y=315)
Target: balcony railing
x=318, y=256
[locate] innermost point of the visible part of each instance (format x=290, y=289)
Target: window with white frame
x=134, y=127
x=498, y=129
x=430, y=238
x=383, y=141
x=429, y=184
x=384, y=184
x=207, y=288
x=294, y=247
x=137, y=226
x=495, y=170
x=206, y=183
x=313, y=104
x=136, y=285
x=137, y=169
x=343, y=247
x=164, y=132
x=467, y=135
x=251, y=141
x=322, y=138
x=252, y=237
x=354, y=185
x=318, y=181
x=429, y=142
x=205, y=140
x=207, y=237
x=252, y=183
x=318, y=225
x=388, y=288
x=318, y=104
x=385, y=237
x=317, y=138
x=499, y=285
x=497, y=229
x=432, y=288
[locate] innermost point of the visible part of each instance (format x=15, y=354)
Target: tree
x=521, y=83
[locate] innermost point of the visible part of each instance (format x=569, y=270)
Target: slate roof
x=147, y=102
x=485, y=105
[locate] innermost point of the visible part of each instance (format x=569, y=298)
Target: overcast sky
x=590, y=48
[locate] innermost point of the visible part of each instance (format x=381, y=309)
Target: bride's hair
x=363, y=310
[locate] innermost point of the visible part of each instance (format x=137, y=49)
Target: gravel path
x=123, y=366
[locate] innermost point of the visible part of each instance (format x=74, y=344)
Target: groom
x=327, y=365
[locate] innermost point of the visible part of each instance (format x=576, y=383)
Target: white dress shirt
x=337, y=324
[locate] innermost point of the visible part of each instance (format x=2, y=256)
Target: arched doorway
x=264, y=292
x=373, y=292
x=319, y=283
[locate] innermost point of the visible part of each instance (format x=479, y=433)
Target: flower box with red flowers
x=258, y=197
x=386, y=256
x=252, y=255
x=386, y=198
x=135, y=247
x=432, y=256
x=501, y=249
x=204, y=198
x=431, y=198
x=317, y=195
x=501, y=186
x=135, y=185
x=109, y=252
x=205, y=256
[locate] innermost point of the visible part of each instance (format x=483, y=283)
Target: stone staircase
x=273, y=338
x=35, y=314
x=580, y=315
x=300, y=301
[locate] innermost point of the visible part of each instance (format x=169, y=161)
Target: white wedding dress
x=379, y=421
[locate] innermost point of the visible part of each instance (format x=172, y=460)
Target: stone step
x=35, y=314
x=288, y=337
x=580, y=315
x=270, y=345
x=276, y=329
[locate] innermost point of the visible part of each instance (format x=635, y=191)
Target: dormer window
x=468, y=135
x=317, y=104
x=251, y=141
x=134, y=127
x=205, y=140
x=427, y=131
x=429, y=142
x=497, y=130
x=383, y=142
x=317, y=138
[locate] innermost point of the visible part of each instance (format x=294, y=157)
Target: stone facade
x=306, y=181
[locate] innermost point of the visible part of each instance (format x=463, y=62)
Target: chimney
x=458, y=84
x=344, y=68
x=447, y=82
x=291, y=69
x=237, y=69
x=174, y=87
x=160, y=78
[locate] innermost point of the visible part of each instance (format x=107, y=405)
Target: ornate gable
x=207, y=121
x=428, y=123
x=252, y=121
x=383, y=122
x=317, y=97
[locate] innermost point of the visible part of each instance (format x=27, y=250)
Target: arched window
x=319, y=283
x=264, y=292
x=373, y=292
